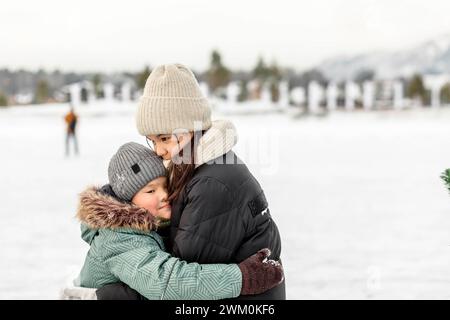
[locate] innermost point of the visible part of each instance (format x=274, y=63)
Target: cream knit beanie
x=172, y=100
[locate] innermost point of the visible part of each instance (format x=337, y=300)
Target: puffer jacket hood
x=97, y=210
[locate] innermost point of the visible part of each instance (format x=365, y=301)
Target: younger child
x=125, y=247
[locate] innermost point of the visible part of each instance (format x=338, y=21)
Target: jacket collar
x=217, y=141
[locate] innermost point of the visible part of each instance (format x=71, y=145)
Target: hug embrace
x=181, y=218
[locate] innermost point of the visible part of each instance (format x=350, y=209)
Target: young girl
x=125, y=247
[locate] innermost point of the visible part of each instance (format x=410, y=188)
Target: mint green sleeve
x=155, y=274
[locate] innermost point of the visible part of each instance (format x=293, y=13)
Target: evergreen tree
x=243, y=94
x=42, y=91
x=218, y=76
x=3, y=100
x=416, y=88
x=261, y=72
x=274, y=92
x=96, y=81
x=84, y=95
x=274, y=81
x=270, y=76
x=445, y=94
x=446, y=177
x=141, y=77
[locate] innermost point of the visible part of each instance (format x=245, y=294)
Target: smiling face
x=169, y=145
x=153, y=197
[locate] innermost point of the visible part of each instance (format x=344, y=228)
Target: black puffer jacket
x=223, y=217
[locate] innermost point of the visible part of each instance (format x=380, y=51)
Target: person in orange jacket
x=71, y=120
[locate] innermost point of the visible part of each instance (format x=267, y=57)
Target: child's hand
x=260, y=274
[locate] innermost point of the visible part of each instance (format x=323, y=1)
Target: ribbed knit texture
x=172, y=100
x=126, y=181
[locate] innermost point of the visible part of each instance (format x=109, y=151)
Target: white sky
x=88, y=35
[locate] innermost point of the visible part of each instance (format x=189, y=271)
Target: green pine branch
x=446, y=177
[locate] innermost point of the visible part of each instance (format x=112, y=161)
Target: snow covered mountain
x=430, y=57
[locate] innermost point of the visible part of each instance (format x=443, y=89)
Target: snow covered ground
x=357, y=197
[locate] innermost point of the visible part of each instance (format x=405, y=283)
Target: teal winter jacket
x=124, y=246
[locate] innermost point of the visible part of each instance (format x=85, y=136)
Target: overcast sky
x=93, y=35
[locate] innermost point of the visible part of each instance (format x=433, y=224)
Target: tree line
x=43, y=86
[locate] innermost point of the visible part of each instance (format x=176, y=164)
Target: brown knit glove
x=260, y=274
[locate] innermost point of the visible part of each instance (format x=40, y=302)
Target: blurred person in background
x=71, y=119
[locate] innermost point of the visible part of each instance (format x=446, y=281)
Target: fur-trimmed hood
x=98, y=210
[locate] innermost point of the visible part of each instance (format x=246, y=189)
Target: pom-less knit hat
x=133, y=167
x=172, y=100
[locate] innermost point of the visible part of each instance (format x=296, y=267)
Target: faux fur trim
x=99, y=210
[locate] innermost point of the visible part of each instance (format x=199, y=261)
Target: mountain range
x=429, y=57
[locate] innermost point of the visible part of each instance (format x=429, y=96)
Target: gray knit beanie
x=132, y=167
x=172, y=100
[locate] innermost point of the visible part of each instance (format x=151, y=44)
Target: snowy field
x=357, y=197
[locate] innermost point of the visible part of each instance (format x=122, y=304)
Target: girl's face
x=153, y=197
x=169, y=145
